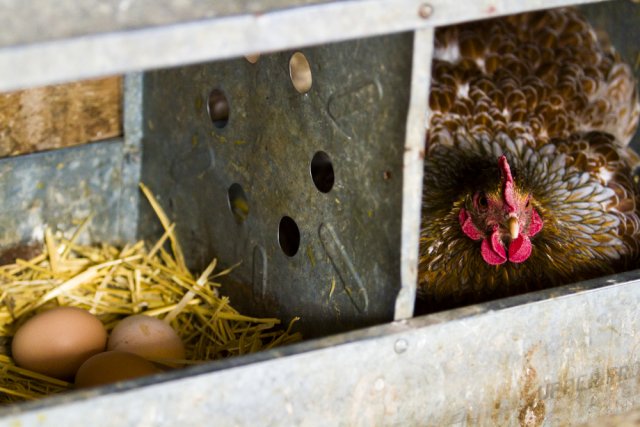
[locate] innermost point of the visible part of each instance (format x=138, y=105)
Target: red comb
x=509, y=192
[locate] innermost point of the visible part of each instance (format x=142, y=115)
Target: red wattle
x=467, y=226
x=536, y=223
x=492, y=249
x=520, y=249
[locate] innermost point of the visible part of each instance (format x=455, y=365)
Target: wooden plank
x=59, y=116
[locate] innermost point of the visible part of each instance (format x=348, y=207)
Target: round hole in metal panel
x=289, y=236
x=218, y=107
x=300, y=72
x=322, y=171
x=253, y=58
x=238, y=203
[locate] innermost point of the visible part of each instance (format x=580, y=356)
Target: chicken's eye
x=480, y=200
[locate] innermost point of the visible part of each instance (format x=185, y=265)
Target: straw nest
x=113, y=283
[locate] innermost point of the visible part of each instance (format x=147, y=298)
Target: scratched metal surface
x=557, y=357
x=37, y=21
x=59, y=189
x=346, y=272
x=44, y=43
x=626, y=419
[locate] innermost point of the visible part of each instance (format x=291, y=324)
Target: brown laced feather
x=541, y=89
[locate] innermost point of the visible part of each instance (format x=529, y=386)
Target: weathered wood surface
x=59, y=116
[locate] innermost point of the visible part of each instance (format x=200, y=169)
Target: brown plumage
x=528, y=179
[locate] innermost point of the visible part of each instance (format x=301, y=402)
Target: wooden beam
x=59, y=116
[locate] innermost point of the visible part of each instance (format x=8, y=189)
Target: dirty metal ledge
x=556, y=357
x=115, y=37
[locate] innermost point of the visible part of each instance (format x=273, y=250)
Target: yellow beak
x=514, y=228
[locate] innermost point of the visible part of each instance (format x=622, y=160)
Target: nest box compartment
x=305, y=164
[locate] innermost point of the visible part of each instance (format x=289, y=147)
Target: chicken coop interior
x=278, y=148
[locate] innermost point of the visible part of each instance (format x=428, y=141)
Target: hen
x=529, y=182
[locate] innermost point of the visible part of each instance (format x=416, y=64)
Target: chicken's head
x=501, y=217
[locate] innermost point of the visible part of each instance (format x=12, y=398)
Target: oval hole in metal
x=238, y=202
x=300, y=72
x=322, y=172
x=289, y=236
x=218, y=107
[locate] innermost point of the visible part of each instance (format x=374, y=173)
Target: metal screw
x=425, y=10
x=401, y=346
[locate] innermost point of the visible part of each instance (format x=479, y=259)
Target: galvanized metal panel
x=346, y=272
x=107, y=37
x=413, y=167
x=556, y=357
x=33, y=21
x=129, y=193
x=59, y=189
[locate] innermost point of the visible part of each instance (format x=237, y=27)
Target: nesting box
x=306, y=165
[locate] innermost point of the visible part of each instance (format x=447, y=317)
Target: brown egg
x=148, y=337
x=56, y=342
x=112, y=366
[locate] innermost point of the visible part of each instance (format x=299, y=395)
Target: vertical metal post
x=132, y=156
x=413, y=171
